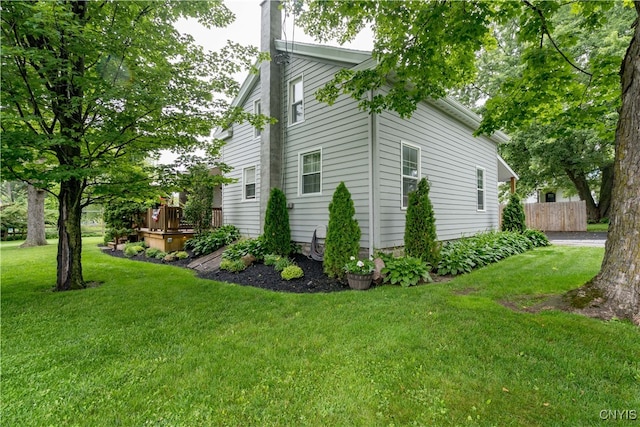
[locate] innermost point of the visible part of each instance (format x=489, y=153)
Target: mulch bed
x=262, y=276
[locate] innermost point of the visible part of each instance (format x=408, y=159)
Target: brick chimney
x=271, y=104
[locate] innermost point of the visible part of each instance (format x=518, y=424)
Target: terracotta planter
x=360, y=282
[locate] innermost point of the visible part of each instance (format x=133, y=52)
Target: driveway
x=577, y=238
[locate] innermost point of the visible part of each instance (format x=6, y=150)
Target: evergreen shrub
x=343, y=233
x=513, y=215
x=277, y=233
x=420, y=238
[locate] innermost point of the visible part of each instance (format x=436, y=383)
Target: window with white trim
x=480, y=188
x=257, y=110
x=410, y=171
x=249, y=183
x=311, y=172
x=296, y=101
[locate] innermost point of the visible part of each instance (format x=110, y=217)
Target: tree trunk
x=584, y=192
x=619, y=276
x=70, y=237
x=35, y=218
x=606, y=186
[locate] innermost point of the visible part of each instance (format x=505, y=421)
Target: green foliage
x=283, y=263
x=406, y=271
x=133, y=250
x=232, y=265
x=271, y=259
x=513, y=215
x=122, y=216
x=244, y=247
x=211, y=241
x=420, y=238
x=152, y=252
x=292, y=272
x=181, y=255
x=343, y=233
x=463, y=255
x=277, y=233
x=358, y=266
x=536, y=237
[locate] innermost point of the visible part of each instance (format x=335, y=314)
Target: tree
x=424, y=49
x=36, y=235
x=343, y=233
x=420, y=238
x=277, y=233
x=91, y=89
x=513, y=215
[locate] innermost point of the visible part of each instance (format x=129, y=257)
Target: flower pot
x=359, y=281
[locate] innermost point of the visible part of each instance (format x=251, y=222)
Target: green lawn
x=154, y=345
x=597, y=227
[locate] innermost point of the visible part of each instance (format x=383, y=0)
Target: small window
x=410, y=171
x=249, y=183
x=550, y=197
x=311, y=172
x=257, y=110
x=296, y=101
x=480, y=188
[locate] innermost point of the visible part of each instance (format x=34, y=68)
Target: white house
x=380, y=157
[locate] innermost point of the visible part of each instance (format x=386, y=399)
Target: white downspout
x=371, y=183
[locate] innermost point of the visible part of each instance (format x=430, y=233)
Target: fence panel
x=558, y=216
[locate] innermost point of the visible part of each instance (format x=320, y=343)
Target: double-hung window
x=311, y=172
x=296, y=101
x=480, y=188
x=410, y=171
x=249, y=183
x=257, y=110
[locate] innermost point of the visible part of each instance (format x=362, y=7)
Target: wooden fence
x=559, y=216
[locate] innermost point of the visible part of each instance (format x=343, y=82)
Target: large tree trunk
x=619, y=277
x=70, y=237
x=584, y=192
x=35, y=218
x=606, y=186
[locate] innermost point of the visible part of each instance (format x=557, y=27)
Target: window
x=249, y=183
x=410, y=171
x=296, y=101
x=257, y=109
x=311, y=172
x=480, y=188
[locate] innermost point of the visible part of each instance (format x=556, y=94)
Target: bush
x=233, y=266
x=133, y=250
x=170, y=257
x=277, y=233
x=406, y=271
x=271, y=259
x=343, y=233
x=283, y=263
x=420, y=238
x=181, y=255
x=513, y=215
x=151, y=252
x=292, y=272
x=244, y=247
x=537, y=238
x=160, y=255
x=211, y=241
x=462, y=256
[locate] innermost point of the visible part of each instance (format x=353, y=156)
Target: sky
x=246, y=30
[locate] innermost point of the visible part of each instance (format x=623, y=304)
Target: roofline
x=331, y=53
x=507, y=167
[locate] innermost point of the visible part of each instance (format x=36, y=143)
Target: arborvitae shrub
x=420, y=238
x=513, y=215
x=343, y=233
x=277, y=233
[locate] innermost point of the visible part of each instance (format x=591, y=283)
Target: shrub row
x=211, y=241
x=462, y=256
x=132, y=249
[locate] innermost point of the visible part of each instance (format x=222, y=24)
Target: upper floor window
x=296, y=101
x=410, y=171
x=257, y=110
x=480, y=187
x=249, y=183
x=311, y=172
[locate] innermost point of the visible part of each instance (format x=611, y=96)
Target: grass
x=154, y=345
x=597, y=227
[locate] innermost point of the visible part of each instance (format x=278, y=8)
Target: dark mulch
x=261, y=276
x=266, y=277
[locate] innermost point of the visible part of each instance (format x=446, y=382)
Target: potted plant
x=359, y=273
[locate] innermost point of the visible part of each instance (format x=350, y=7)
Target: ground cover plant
x=210, y=241
x=154, y=345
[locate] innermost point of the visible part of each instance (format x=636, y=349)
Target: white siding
x=342, y=132
x=450, y=155
x=240, y=151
